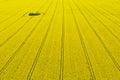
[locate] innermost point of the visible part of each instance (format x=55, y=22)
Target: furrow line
x=84, y=47
x=105, y=47
x=40, y=48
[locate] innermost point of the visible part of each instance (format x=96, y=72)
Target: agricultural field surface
x=59, y=39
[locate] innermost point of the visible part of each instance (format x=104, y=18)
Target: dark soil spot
x=34, y=14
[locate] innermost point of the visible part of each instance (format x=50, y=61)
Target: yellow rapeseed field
x=59, y=39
